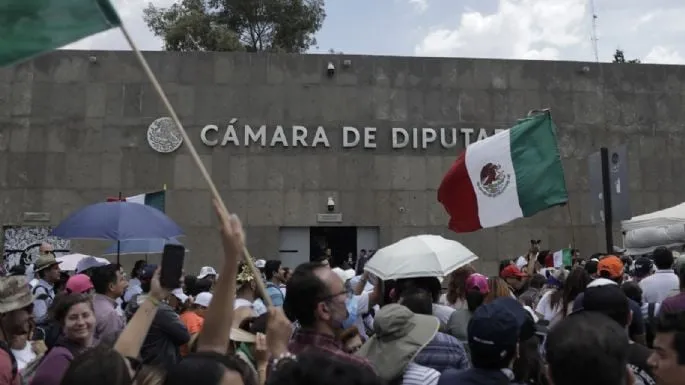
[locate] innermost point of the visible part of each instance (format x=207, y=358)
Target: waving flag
x=31, y=27
x=515, y=173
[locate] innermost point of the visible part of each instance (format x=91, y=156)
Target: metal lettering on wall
x=21, y=244
x=235, y=134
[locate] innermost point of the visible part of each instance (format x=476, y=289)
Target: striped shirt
x=416, y=374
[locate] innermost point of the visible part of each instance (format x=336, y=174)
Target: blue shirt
x=443, y=352
x=275, y=294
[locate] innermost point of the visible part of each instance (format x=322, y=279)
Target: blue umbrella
x=117, y=221
x=140, y=246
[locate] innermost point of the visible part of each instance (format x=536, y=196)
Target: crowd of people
x=605, y=320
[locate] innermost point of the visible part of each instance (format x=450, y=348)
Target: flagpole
x=193, y=153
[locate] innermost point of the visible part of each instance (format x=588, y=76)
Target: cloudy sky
x=511, y=29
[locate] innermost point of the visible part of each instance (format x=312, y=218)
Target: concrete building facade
x=375, y=135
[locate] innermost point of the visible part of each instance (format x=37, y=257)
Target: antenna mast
x=594, y=31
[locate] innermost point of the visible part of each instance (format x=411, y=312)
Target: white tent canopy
x=643, y=233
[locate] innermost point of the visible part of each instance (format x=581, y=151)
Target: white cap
x=260, y=263
x=205, y=271
x=90, y=262
x=601, y=282
x=203, y=299
x=345, y=275
x=180, y=295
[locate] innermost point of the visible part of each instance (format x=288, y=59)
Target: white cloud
x=531, y=29
x=420, y=5
x=131, y=13
x=664, y=55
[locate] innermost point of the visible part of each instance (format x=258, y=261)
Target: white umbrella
x=69, y=262
x=419, y=256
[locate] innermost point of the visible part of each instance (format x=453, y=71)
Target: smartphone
x=172, y=266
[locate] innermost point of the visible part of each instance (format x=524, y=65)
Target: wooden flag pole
x=212, y=188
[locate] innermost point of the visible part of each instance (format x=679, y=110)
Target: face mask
x=351, y=305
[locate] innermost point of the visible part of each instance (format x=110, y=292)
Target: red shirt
x=304, y=340
x=6, y=370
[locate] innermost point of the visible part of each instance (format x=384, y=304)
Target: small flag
x=512, y=174
x=155, y=199
x=31, y=27
x=563, y=258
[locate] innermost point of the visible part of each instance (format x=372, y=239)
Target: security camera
x=331, y=69
x=93, y=59
x=584, y=69
x=330, y=204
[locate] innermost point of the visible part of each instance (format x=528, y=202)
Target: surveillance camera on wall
x=331, y=69
x=330, y=204
x=93, y=59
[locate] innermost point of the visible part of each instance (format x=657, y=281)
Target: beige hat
x=399, y=336
x=44, y=261
x=240, y=335
x=15, y=294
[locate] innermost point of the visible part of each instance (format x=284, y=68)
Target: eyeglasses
x=348, y=294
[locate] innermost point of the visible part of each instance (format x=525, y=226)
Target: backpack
x=4, y=347
x=45, y=296
x=649, y=324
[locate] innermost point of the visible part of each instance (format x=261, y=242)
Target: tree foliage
x=619, y=57
x=233, y=25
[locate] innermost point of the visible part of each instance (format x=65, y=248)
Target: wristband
x=282, y=359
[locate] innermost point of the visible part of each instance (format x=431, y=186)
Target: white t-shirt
x=257, y=306
x=658, y=286
x=442, y=312
x=24, y=356
x=545, y=309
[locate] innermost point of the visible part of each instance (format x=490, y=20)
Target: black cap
x=643, y=267
x=609, y=300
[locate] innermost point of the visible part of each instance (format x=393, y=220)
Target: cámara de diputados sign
x=164, y=137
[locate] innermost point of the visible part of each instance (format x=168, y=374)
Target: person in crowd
x=456, y=288
x=16, y=307
x=318, y=301
x=477, y=290
x=668, y=357
x=109, y=285
x=362, y=301
x=558, y=303
x=200, y=286
x=532, y=295
x=312, y=368
x=74, y=312
x=190, y=314
x=167, y=333
x=27, y=350
x=611, y=301
x=207, y=272
x=134, y=288
x=287, y=272
x=351, y=340
x=260, y=264
x=495, y=331
x=250, y=338
x=179, y=301
x=514, y=277
x=273, y=271
x=676, y=303
x=643, y=267
x=610, y=270
x=431, y=285
x=659, y=286
x=443, y=350
x=529, y=365
x=189, y=282
x=588, y=348
x=47, y=269
x=362, y=259
x=246, y=295
x=79, y=284
x=497, y=287
x=591, y=267
x=400, y=335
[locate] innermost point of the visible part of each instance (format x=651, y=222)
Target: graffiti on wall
x=22, y=244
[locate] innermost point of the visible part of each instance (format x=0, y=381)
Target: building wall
x=73, y=132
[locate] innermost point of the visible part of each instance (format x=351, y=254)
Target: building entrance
x=337, y=242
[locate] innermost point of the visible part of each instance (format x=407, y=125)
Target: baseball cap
x=260, y=263
x=478, y=282
x=609, y=300
x=79, y=284
x=203, y=299
x=512, y=271
x=205, y=271
x=147, y=272
x=494, y=328
x=643, y=266
x=612, y=265
x=179, y=294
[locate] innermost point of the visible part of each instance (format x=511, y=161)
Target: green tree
x=619, y=57
x=233, y=25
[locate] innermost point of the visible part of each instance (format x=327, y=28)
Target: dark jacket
x=165, y=337
x=473, y=377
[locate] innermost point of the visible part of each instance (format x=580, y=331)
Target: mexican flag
x=563, y=258
x=155, y=199
x=31, y=27
x=515, y=173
